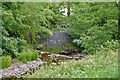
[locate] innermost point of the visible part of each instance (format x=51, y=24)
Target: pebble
x=20, y=68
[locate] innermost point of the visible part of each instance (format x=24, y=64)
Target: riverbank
x=95, y=66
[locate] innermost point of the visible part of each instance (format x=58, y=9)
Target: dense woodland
x=89, y=23
x=93, y=26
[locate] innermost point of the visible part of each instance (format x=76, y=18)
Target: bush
x=6, y=61
x=34, y=55
x=92, y=46
x=41, y=35
x=28, y=56
x=12, y=45
x=9, y=45
x=21, y=56
x=98, y=36
x=25, y=57
x=111, y=45
x=92, y=26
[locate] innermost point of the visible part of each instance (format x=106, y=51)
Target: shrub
x=42, y=35
x=93, y=27
x=34, y=55
x=111, y=45
x=6, y=61
x=92, y=46
x=25, y=57
x=12, y=45
x=28, y=56
x=21, y=57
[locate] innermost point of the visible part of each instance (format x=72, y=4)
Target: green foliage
x=11, y=5
x=95, y=38
x=38, y=17
x=92, y=26
x=35, y=55
x=28, y=56
x=12, y=45
x=110, y=45
x=52, y=49
x=64, y=47
x=1, y=51
x=72, y=46
x=22, y=55
x=22, y=22
x=5, y=61
x=94, y=66
x=41, y=35
x=9, y=44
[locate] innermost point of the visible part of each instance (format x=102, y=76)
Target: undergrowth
x=94, y=66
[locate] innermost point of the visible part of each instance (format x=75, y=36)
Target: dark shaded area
x=58, y=40
x=77, y=53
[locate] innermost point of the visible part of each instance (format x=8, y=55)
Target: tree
x=22, y=23
x=93, y=24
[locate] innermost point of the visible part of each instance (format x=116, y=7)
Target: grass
x=5, y=61
x=52, y=49
x=65, y=46
x=94, y=66
x=28, y=56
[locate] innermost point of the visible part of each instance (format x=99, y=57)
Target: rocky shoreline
x=20, y=69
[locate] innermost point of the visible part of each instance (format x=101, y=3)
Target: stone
x=20, y=68
x=38, y=47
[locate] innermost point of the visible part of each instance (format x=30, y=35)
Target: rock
x=38, y=47
x=20, y=68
